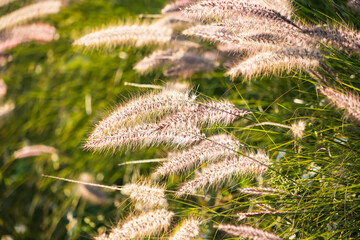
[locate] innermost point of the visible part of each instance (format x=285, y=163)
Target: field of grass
x=60, y=91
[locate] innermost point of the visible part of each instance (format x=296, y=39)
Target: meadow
x=61, y=91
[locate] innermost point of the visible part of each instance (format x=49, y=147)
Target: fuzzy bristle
x=27, y=33
x=348, y=101
x=150, y=196
x=188, y=230
x=145, y=134
x=211, y=149
x=166, y=101
x=128, y=34
x=222, y=172
x=27, y=13
x=146, y=225
x=272, y=62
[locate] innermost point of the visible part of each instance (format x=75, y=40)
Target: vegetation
x=308, y=183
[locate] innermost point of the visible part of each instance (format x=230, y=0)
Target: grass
x=51, y=83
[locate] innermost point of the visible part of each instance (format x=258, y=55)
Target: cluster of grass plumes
x=12, y=35
x=267, y=33
x=268, y=39
x=303, y=186
x=174, y=117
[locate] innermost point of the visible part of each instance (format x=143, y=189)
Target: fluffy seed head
x=249, y=164
x=176, y=6
x=27, y=33
x=219, y=9
x=29, y=12
x=34, y=150
x=141, y=135
x=150, y=196
x=146, y=225
x=189, y=64
x=348, y=101
x=158, y=59
x=188, y=230
x=169, y=100
x=211, y=149
x=130, y=34
x=336, y=36
x=247, y=232
x=297, y=129
x=271, y=62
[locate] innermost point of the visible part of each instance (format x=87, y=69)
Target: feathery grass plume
x=157, y=59
x=218, y=9
x=6, y=108
x=168, y=100
x=144, y=134
x=34, y=150
x=260, y=191
x=354, y=5
x=145, y=225
x=35, y=10
x=211, y=149
x=215, y=174
x=27, y=33
x=247, y=232
x=90, y=193
x=5, y=2
x=297, y=129
x=176, y=6
x=3, y=88
x=250, y=39
x=348, y=101
x=284, y=7
x=189, y=64
x=202, y=114
x=127, y=34
x=271, y=62
x=206, y=113
x=150, y=196
x=188, y=230
x=336, y=36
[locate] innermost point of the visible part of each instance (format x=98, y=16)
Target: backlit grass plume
x=150, y=196
x=220, y=173
x=26, y=33
x=167, y=100
x=218, y=9
x=247, y=232
x=189, y=229
x=147, y=224
x=282, y=60
x=213, y=148
x=138, y=34
x=141, y=135
x=347, y=101
x=30, y=12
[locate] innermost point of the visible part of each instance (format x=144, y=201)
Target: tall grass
x=311, y=145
